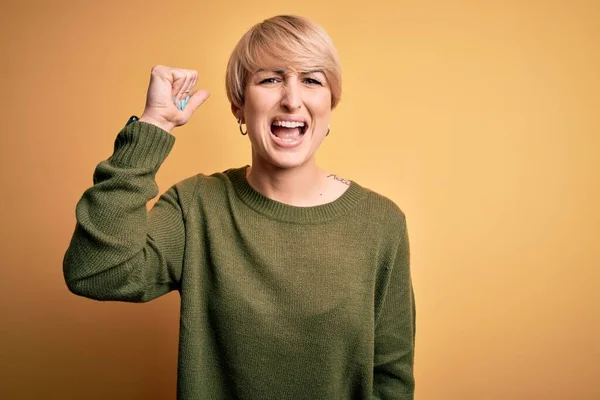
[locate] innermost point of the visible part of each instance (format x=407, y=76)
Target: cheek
x=261, y=98
x=320, y=106
x=256, y=111
x=321, y=112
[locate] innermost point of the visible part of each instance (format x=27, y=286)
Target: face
x=287, y=113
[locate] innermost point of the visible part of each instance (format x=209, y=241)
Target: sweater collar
x=284, y=212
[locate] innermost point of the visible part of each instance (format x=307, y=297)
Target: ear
x=237, y=112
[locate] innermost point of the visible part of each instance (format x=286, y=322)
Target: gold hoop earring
x=328, y=130
x=241, y=130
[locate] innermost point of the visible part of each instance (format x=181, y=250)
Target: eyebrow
x=282, y=71
x=314, y=71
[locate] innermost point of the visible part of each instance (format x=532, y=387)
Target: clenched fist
x=168, y=86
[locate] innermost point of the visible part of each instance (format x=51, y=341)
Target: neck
x=302, y=186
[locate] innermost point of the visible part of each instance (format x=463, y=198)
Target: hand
x=167, y=87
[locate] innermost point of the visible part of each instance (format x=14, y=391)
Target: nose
x=291, y=98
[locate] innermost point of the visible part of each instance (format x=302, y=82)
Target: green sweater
x=277, y=302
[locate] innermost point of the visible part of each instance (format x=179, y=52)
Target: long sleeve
x=395, y=329
x=119, y=250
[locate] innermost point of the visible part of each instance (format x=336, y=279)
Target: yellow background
x=480, y=119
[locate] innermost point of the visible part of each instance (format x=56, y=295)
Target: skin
x=165, y=84
x=290, y=176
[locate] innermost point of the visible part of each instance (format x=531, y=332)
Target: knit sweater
x=277, y=301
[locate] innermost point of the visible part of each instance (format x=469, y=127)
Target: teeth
x=289, y=124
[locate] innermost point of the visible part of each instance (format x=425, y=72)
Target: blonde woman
x=294, y=283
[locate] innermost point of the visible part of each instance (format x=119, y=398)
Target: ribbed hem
x=287, y=213
x=142, y=145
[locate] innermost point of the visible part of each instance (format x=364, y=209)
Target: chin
x=288, y=161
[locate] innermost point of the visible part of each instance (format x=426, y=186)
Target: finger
x=191, y=83
x=185, y=87
x=195, y=80
x=189, y=90
x=178, y=84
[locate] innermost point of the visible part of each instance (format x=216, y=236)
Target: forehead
x=283, y=65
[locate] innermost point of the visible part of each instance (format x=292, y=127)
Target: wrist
x=164, y=125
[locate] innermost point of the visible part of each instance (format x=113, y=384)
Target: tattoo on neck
x=337, y=178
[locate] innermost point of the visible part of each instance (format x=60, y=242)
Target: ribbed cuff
x=142, y=145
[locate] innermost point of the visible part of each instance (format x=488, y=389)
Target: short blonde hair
x=297, y=40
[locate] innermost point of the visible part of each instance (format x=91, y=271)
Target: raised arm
x=119, y=251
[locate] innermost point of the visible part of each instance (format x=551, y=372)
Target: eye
x=269, y=80
x=312, y=81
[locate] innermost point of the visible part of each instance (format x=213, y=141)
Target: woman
x=294, y=283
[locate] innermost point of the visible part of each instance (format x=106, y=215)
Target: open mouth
x=288, y=131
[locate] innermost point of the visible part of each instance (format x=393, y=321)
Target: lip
x=287, y=144
x=289, y=117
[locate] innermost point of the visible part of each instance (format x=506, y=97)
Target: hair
x=295, y=39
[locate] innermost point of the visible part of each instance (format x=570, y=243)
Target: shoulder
x=382, y=204
x=202, y=185
x=384, y=211
x=216, y=179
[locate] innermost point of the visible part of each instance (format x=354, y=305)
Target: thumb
x=195, y=101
